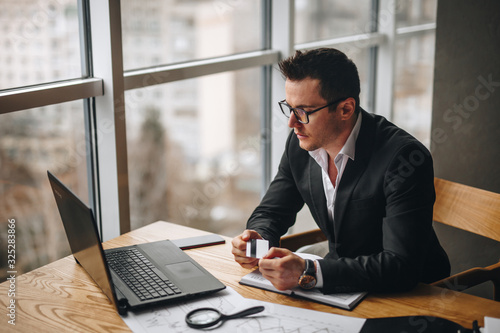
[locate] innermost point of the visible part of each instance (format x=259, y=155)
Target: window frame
x=104, y=82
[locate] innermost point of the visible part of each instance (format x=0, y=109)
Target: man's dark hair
x=337, y=74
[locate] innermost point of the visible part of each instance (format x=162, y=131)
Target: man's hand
x=240, y=246
x=282, y=268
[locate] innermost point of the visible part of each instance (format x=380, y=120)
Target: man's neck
x=336, y=146
x=332, y=170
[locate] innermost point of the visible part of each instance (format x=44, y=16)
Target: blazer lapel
x=352, y=173
x=353, y=170
x=318, y=195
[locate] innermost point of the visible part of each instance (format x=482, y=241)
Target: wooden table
x=61, y=297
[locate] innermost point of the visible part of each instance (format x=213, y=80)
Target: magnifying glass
x=206, y=317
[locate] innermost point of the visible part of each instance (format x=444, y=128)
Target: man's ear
x=348, y=107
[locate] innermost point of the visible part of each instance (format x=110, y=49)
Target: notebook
x=346, y=301
x=132, y=277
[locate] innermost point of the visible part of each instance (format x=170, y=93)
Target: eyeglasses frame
x=307, y=113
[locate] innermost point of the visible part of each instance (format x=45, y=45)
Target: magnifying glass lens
x=204, y=317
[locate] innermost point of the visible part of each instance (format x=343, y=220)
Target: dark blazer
x=382, y=238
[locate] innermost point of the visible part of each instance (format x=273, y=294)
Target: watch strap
x=308, y=278
x=310, y=268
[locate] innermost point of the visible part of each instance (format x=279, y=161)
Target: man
x=368, y=184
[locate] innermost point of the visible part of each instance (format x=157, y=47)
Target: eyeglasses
x=302, y=115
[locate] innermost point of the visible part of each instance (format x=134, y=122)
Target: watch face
x=307, y=282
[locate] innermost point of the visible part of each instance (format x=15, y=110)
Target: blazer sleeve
x=278, y=209
x=406, y=228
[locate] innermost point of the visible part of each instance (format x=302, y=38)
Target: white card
x=257, y=248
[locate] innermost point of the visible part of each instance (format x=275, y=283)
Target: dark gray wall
x=466, y=116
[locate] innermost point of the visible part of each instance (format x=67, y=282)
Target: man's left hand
x=282, y=268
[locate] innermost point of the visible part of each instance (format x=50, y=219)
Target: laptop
x=132, y=277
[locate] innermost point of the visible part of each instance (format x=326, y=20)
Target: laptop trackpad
x=185, y=270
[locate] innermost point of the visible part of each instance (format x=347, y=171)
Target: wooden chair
x=459, y=206
x=474, y=210
x=296, y=241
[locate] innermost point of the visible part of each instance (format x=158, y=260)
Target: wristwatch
x=308, y=278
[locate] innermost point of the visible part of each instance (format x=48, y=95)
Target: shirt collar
x=349, y=147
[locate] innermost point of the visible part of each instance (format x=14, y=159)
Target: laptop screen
x=82, y=234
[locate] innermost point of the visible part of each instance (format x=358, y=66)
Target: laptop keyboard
x=138, y=273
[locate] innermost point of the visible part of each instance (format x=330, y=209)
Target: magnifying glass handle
x=246, y=312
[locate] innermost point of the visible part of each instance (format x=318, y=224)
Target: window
x=414, y=70
x=161, y=32
x=326, y=19
x=39, y=42
x=412, y=13
x=32, y=142
x=413, y=85
x=194, y=151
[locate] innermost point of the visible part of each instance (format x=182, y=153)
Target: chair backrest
x=468, y=208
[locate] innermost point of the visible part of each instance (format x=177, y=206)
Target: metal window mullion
x=170, y=73
x=84, y=37
x=110, y=126
x=266, y=99
x=386, y=25
x=372, y=59
x=88, y=109
x=282, y=40
x=49, y=93
x=360, y=41
x=266, y=136
x=415, y=30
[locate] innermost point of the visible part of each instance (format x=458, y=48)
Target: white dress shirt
x=321, y=157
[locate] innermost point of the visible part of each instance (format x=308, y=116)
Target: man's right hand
x=240, y=247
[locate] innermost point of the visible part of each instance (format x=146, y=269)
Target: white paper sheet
x=275, y=317
x=491, y=325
